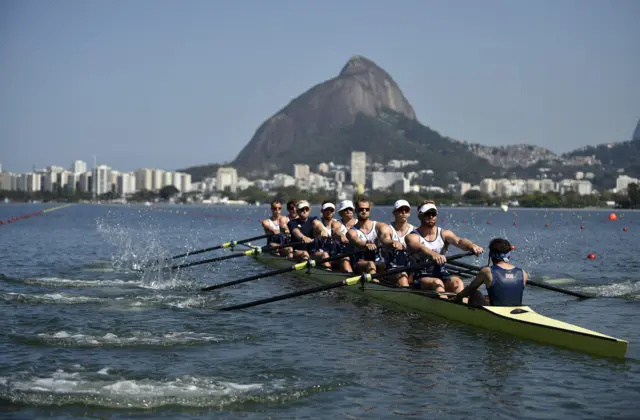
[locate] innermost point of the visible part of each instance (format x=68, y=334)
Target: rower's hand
x=307, y=240
x=477, y=249
x=324, y=234
x=397, y=246
x=371, y=247
x=439, y=258
x=344, y=240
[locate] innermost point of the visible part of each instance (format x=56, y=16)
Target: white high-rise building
x=102, y=179
x=144, y=179
x=167, y=179
x=86, y=181
x=358, y=168
x=79, y=166
x=29, y=182
x=623, y=181
x=185, y=182
x=126, y=184
x=226, y=177
x=301, y=171
x=488, y=186
x=158, y=178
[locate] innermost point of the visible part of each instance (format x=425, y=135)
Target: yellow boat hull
x=518, y=321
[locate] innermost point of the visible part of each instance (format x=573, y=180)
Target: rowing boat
x=518, y=321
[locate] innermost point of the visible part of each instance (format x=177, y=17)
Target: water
x=83, y=335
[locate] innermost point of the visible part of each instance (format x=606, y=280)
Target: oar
x=253, y=251
x=213, y=248
x=475, y=269
x=345, y=282
x=295, y=267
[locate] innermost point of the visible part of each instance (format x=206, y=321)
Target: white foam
x=50, y=298
x=171, y=338
x=80, y=387
x=615, y=289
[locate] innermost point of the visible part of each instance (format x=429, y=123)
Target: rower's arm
x=336, y=228
x=483, y=277
x=385, y=234
x=318, y=228
x=461, y=243
x=268, y=228
x=298, y=235
x=284, y=226
x=352, y=235
x=413, y=244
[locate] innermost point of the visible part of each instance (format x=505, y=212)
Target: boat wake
x=131, y=339
x=105, y=388
x=627, y=289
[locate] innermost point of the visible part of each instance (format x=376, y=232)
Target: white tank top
x=274, y=226
x=437, y=245
x=371, y=237
x=398, y=237
x=327, y=228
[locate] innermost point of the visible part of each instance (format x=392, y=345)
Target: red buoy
x=582, y=227
x=591, y=256
x=624, y=229
x=546, y=225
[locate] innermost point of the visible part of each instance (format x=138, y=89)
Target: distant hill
x=363, y=108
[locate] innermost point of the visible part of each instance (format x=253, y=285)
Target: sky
x=172, y=84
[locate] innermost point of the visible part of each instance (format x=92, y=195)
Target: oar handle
x=345, y=282
x=253, y=251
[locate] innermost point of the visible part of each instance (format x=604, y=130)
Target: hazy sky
x=171, y=84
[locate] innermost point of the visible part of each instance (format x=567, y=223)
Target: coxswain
x=504, y=281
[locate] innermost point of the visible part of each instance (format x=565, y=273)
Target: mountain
x=361, y=90
x=363, y=108
x=614, y=156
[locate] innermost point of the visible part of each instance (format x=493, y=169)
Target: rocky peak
x=358, y=64
x=361, y=88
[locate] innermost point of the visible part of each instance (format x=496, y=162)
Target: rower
x=284, y=227
x=339, y=232
x=325, y=246
x=306, y=229
x=365, y=234
x=394, y=241
x=504, y=281
x=431, y=241
x=272, y=225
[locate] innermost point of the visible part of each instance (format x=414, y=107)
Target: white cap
x=427, y=207
x=401, y=203
x=346, y=204
x=303, y=203
x=328, y=206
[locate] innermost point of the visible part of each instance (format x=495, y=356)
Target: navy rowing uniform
x=507, y=286
x=306, y=228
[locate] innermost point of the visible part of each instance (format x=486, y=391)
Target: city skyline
x=190, y=83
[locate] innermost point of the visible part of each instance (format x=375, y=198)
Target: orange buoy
x=613, y=217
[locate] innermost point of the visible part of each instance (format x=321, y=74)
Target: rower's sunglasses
x=329, y=209
x=431, y=214
x=404, y=210
x=363, y=209
x=304, y=209
x=276, y=208
x=291, y=208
